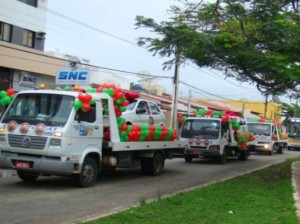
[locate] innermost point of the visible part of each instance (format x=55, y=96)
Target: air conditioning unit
x=40, y=35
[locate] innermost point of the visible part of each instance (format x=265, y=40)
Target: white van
x=141, y=111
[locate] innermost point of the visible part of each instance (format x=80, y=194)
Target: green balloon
x=91, y=90
x=3, y=94
x=6, y=100
x=77, y=104
x=92, y=102
x=67, y=88
x=111, y=92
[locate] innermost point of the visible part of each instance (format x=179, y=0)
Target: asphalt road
x=58, y=200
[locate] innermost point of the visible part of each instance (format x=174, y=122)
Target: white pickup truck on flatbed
x=43, y=133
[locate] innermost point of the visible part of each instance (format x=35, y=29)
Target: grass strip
x=261, y=197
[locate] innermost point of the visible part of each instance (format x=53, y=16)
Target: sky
x=103, y=32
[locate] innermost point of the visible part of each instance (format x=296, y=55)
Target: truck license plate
x=22, y=165
x=197, y=152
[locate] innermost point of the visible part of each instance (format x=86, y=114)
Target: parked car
x=141, y=111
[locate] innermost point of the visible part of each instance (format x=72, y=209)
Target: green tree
x=251, y=41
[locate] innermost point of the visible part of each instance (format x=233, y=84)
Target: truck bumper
x=44, y=165
x=199, y=152
x=293, y=145
x=261, y=147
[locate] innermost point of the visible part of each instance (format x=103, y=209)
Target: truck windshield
x=293, y=128
x=208, y=129
x=50, y=109
x=260, y=129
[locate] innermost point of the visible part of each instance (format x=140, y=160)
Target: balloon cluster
x=126, y=132
x=261, y=119
x=243, y=138
x=6, y=96
x=120, y=102
x=283, y=136
x=204, y=112
x=144, y=132
x=181, y=118
x=84, y=102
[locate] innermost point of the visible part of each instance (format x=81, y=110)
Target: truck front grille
x=24, y=141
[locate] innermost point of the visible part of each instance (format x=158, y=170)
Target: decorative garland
x=126, y=132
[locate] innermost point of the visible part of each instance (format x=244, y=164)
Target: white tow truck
x=42, y=132
x=213, y=138
x=267, y=137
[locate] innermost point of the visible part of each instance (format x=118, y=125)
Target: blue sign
x=70, y=77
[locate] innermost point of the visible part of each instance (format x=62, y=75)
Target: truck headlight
x=2, y=129
x=57, y=134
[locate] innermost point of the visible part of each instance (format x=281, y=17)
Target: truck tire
x=27, y=176
x=243, y=155
x=88, y=174
x=280, y=149
x=145, y=166
x=153, y=166
x=188, y=158
x=223, y=158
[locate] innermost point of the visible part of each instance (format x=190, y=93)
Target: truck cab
x=267, y=138
x=211, y=138
x=63, y=133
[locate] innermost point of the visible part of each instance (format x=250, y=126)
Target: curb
x=296, y=186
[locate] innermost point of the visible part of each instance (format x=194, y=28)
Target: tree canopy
x=254, y=41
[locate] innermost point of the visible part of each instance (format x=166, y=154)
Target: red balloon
x=125, y=103
x=99, y=89
x=151, y=128
x=105, y=85
x=123, y=127
x=209, y=112
x=10, y=92
x=81, y=97
x=87, y=98
x=119, y=95
x=86, y=107
x=136, y=127
x=118, y=113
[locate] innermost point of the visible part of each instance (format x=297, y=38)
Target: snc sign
x=70, y=77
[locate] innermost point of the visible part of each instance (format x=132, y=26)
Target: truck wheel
x=223, y=158
x=88, y=174
x=243, y=155
x=26, y=176
x=153, y=166
x=188, y=158
x=271, y=153
x=157, y=164
x=280, y=149
x=145, y=166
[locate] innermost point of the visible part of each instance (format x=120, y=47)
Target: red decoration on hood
x=132, y=95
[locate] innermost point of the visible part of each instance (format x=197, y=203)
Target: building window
x=29, y=2
x=5, y=31
x=28, y=38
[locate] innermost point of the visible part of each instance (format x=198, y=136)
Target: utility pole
x=189, y=102
x=266, y=106
x=173, y=124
